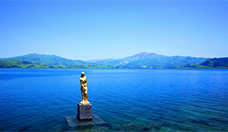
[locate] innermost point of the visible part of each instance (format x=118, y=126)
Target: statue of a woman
x=84, y=88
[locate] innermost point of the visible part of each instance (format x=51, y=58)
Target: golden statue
x=84, y=88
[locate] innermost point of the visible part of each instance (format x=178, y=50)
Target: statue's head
x=82, y=74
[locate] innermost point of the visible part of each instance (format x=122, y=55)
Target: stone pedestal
x=84, y=112
x=84, y=117
x=74, y=122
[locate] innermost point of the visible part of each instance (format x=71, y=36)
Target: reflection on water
x=139, y=100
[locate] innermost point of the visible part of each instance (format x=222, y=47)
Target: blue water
x=128, y=100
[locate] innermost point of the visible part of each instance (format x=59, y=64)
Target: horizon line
x=145, y=52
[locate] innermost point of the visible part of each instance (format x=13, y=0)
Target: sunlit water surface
x=138, y=100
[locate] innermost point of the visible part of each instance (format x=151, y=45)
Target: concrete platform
x=74, y=122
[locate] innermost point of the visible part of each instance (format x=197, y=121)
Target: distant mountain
x=150, y=60
x=141, y=60
x=51, y=60
x=45, y=61
x=9, y=63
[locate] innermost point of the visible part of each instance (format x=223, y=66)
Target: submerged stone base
x=84, y=112
x=74, y=122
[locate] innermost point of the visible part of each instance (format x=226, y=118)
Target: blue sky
x=114, y=29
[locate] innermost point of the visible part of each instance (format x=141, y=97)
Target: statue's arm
x=85, y=87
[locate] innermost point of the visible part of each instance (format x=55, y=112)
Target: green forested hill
x=213, y=63
x=216, y=62
x=10, y=63
x=51, y=60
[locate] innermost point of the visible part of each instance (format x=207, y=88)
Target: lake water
x=127, y=100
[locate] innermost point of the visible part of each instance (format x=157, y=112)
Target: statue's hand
x=85, y=90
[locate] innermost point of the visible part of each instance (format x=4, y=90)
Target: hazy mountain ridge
x=140, y=60
x=151, y=60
